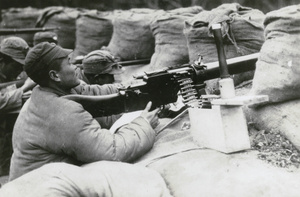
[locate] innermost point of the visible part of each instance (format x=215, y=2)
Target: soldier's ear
x=54, y=75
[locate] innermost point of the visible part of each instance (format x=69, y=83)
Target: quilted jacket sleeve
x=11, y=100
x=85, y=89
x=130, y=142
x=85, y=140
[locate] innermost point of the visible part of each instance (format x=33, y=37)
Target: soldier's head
x=100, y=66
x=13, y=51
x=47, y=36
x=49, y=65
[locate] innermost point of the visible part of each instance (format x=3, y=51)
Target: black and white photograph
x=149, y=98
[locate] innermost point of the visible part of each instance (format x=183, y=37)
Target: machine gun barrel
x=235, y=66
x=133, y=62
x=26, y=30
x=79, y=59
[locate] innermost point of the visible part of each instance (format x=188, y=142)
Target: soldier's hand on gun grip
x=151, y=116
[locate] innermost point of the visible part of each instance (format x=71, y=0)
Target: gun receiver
x=162, y=87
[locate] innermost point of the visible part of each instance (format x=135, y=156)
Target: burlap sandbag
x=211, y=173
x=132, y=38
x=96, y=179
x=93, y=31
x=242, y=30
x=278, y=67
x=65, y=19
x=170, y=43
x=175, y=138
x=280, y=117
x=188, y=10
x=189, y=170
x=18, y=18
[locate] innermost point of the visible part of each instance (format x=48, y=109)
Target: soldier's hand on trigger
x=151, y=116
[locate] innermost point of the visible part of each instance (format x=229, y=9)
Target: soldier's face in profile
x=67, y=74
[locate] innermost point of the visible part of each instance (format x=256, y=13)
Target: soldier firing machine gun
x=228, y=133
x=162, y=86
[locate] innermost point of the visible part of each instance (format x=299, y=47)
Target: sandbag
x=189, y=10
x=278, y=67
x=174, y=139
x=280, y=117
x=190, y=170
x=16, y=18
x=96, y=179
x=211, y=173
x=94, y=30
x=170, y=43
x=132, y=38
x=65, y=19
x=242, y=30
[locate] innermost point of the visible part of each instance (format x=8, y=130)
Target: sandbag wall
x=16, y=18
x=94, y=30
x=170, y=43
x=64, y=18
x=278, y=67
x=167, y=38
x=278, y=75
x=132, y=38
x=242, y=30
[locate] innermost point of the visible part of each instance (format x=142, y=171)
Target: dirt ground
x=274, y=148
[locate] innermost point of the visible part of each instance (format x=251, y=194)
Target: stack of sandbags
x=211, y=173
x=93, y=31
x=132, y=38
x=17, y=18
x=278, y=75
x=170, y=42
x=242, y=30
x=95, y=179
x=64, y=18
x=187, y=10
x=278, y=68
x=184, y=165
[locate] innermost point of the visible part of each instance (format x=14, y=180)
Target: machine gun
x=161, y=87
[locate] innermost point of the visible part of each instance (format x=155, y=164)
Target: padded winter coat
x=53, y=129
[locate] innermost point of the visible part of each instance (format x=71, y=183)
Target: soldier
x=46, y=36
x=99, y=67
x=13, y=92
x=51, y=128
